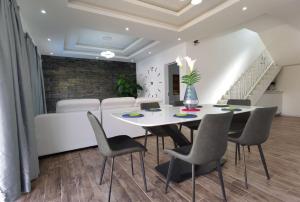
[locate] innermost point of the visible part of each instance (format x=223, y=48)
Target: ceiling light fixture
x=149, y=52
x=43, y=11
x=179, y=39
x=245, y=8
x=196, y=2
x=97, y=57
x=127, y=28
x=107, y=54
x=51, y=53
x=49, y=39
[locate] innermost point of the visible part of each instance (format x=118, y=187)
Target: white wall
x=289, y=83
x=160, y=61
x=220, y=61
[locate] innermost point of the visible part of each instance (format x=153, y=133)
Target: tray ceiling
x=172, y=14
x=173, y=5
x=133, y=29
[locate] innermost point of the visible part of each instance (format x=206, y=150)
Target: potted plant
x=190, y=97
x=127, y=87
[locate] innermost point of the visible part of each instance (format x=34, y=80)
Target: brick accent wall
x=71, y=78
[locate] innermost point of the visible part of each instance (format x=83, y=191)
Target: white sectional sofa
x=69, y=129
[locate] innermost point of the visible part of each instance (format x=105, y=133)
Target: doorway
x=173, y=83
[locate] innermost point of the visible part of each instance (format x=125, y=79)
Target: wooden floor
x=73, y=176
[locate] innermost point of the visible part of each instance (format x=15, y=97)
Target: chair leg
x=219, y=168
x=145, y=143
x=245, y=168
x=143, y=171
x=239, y=151
x=193, y=179
x=180, y=127
x=111, y=177
x=171, y=165
x=102, y=170
x=157, y=150
x=236, y=154
x=263, y=161
x=132, y=172
x=249, y=150
x=192, y=136
x=163, y=142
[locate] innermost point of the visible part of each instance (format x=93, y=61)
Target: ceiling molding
x=120, y=15
x=155, y=23
x=124, y=50
x=160, y=9
x=93, y=54
x=209, y=13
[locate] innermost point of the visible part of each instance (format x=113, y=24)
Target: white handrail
x=251, y=77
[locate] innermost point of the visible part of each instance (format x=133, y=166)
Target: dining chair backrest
x=211, y=142
x=178, y=104
x=101, y=138
x=242, y=117
x=149, y=105
x=245, y=102
x=258, y=126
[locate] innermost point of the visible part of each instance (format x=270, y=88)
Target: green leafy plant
x=191, y=78
x=127, y=87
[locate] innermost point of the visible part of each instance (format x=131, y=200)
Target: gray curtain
x=36, y=74
x=18, y=154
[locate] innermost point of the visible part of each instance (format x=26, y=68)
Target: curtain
x=37, y=79
x=20, y=88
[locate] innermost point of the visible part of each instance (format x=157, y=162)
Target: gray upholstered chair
x=238, y=123
x=154, y=130
x=115, y=146
x=256, y=132
x=209, y=146
x=192, y=125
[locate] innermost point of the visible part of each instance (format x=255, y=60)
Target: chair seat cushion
x=234, y=135
x=160, y=131
x=124, y=144
x=194, y=125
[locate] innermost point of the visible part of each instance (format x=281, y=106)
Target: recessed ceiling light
x=51, y=53
x=43, y=11
x=97, y=58
x=195, y=2
x=149, y=52
x=179, y=39
x=49, y=39
x=107, y=54
x=245, y=8
x=127, y=28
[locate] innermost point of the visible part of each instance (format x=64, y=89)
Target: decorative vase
x=190, y=97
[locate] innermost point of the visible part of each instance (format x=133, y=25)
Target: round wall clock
x=152, y=83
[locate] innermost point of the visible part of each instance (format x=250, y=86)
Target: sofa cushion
x=112, y=103
x=77, y=105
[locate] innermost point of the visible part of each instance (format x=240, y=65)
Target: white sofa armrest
x=63, y=132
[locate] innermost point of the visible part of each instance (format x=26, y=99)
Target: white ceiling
x=83, y=28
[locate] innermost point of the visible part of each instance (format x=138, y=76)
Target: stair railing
x=251, y=77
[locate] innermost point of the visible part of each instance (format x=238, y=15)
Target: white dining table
x=164, y=119
x=166, y=115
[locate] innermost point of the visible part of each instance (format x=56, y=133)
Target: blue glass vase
x=190, y=98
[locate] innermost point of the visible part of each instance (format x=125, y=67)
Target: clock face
x=152, y=83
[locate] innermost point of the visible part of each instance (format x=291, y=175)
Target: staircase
x=254, y=81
